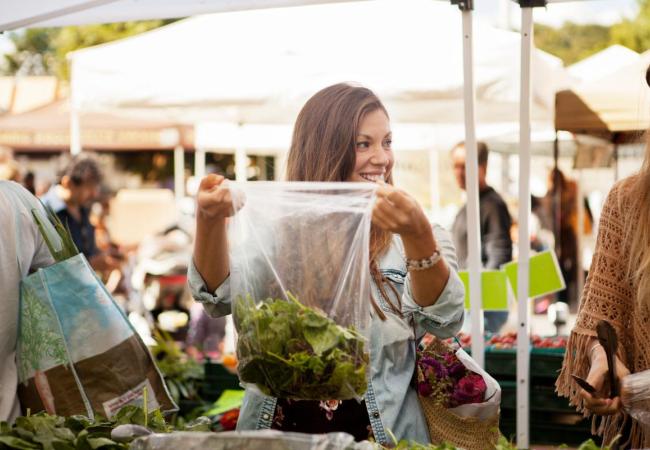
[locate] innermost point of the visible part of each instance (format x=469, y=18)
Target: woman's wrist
x=415, y=248
x=208, y=223
x=596, y=351
x=420, y=244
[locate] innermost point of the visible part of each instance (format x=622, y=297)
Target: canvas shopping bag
x=77, y=352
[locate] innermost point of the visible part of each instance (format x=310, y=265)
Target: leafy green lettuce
x=292, y=351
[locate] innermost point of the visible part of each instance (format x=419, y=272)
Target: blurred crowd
x=148, y=280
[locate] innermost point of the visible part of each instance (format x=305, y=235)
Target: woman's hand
x=214, y=203
x=398, y=212
x=599, y=379
x=214, y=199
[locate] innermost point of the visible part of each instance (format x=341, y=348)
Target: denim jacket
x=391, y=400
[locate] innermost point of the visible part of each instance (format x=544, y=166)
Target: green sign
x=545, y=274
x=230, y=399
x=494, y=290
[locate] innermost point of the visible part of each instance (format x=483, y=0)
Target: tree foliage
x=572, y=42
x=635, y=33
x=43, y=51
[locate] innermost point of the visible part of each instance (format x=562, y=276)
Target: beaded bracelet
x=423, y=264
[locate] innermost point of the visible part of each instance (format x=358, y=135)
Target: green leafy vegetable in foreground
x=43, y=431
x=47, y=432
x=292, y=351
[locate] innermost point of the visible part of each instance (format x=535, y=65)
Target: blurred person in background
x=71, y=200
x=561, y=205
x=29, y=182
x=9, y=169
x=205, y=335
x=495, y=223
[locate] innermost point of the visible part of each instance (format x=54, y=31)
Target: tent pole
x=616, y=139
x=471, y=170
x=523, y=306
x=75, y=131
x=49, y=15
x=199, y=163
x=241, y=159
x=75, y=123
x=434, y=185
x=179, y=173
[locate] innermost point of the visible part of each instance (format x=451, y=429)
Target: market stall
x=424, y=93
x=522, y=372
x=47, y=129
x=614, y=106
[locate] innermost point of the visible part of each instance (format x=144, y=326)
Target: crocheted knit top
x=609, y=294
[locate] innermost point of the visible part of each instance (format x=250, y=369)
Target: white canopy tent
x=602, y=63
x=260, y=66
x=180, y=72
x=46, y=13
x=616, y=102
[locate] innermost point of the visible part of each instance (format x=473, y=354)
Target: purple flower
x=427, y=361
x=470, y=389
x=457, y=370
x=431, y=366
x=424, y=389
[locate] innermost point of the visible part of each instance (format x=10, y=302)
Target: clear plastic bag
x=250, y=440
x=635, y=395
x=300, y=284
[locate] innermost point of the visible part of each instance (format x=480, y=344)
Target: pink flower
x=469, y=389
x=450, y=358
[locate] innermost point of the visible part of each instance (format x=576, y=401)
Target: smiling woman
x=374, y=153
x=343, y=134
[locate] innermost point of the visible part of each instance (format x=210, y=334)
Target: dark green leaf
x=14, y=442
x=96, y=443
x=4, y=428
x=77, y=423
x=62, y=445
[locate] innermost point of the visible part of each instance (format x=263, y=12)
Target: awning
x=48, y=129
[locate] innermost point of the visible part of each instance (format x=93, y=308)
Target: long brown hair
x=637, y=232
x=323, y=148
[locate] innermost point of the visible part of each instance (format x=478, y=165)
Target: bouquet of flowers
x=460, y=401
x=444, y=379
